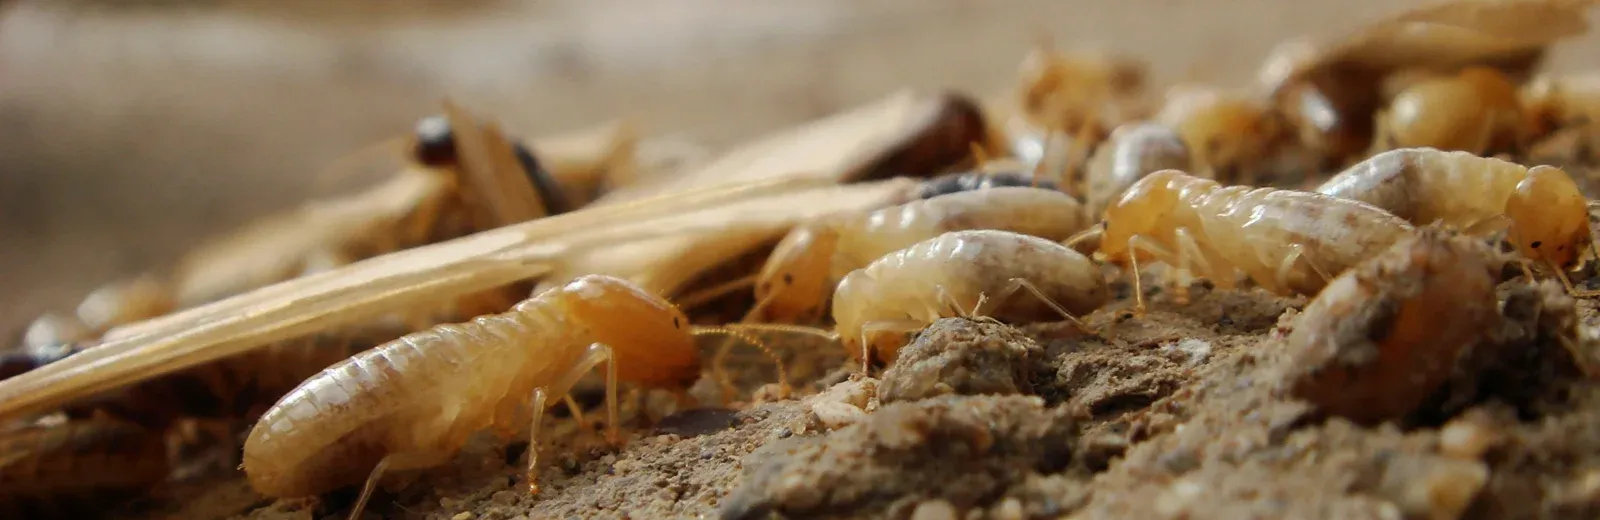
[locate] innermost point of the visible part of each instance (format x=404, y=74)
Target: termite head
x=1549, y=218
x=1222, y=130
x=434, y=142
x=650, y=337
x=1142, y=211
x=793, y=284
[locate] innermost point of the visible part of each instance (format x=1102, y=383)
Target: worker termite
x=973, y=273
x=1563, y=114
x=1475, y=110
x=1547, y=216
x=1133, y=151
x=412, y=402
x=1078, y=89
x=74, y=470
x=1287, y=241
x=1229, y=135
x=807, y=264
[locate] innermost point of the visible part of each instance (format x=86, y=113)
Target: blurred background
x=129, y=130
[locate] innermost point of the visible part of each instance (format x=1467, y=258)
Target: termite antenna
x=704, y=296
x=738, y=332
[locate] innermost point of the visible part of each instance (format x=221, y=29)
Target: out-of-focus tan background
x=129, y=130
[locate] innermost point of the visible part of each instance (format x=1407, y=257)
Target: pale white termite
x=974, y=273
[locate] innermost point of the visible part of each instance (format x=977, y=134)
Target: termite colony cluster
x=1414, y=168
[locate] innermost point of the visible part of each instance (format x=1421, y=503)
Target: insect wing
x=489, y=165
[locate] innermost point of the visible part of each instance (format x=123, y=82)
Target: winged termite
x=417, y=204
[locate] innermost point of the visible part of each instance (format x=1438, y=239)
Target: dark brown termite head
x=1382, y=337
x=434, y=144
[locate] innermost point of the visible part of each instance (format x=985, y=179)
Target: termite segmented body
x=412, y=402
x=71, y=470
x=962, y=273
x=1476, y=110
x=1133, y=151
x=1547, y=216
x=1287, y=241
x=793, y=285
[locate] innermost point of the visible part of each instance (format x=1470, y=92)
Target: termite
x=412, y=402
x=1289, y=242
x=972, y=273
x=793, y=286
x=1562, y=113
x=1073, y=90
x=1476, y=110
x=1228, y=133
x=1541, y=207
x=1133, y=151
x=69, y=470
x=461, y=176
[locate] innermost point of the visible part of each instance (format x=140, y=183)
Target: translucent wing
x=489, y=166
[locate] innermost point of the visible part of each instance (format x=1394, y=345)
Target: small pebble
x=1466, y=438
x=504, y=498
x=624, y=466
x=785, y=433
x=934, y=510
x=707, y=454
x=464, y=515
x=835, y=415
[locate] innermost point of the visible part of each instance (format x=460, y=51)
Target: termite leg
x=949, y=302
x=1572, y=290
x=397, y=462
x=596, y=354
x=539, y=398
x=1286, y=267
x=577, y=412
x=1137, y=244
x=1014, y=284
